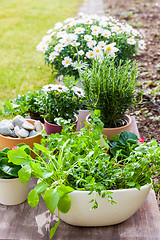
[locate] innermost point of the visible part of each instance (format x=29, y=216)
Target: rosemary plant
x=110, y=88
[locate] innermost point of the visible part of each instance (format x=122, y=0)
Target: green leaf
x=4, y=175
x=25, y=173
x=19, y=157
x=36, y=170
x=52, y=231
x=33, y=198
x=41, y=187
x=131, y=184
x=9, y=168
x=42, y=148
x=47, y=174
x=64, y=190
x=51, y=199
x=64, y=204
x=123, y=137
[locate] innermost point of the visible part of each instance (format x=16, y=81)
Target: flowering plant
x=83, y=38
x=61, y=101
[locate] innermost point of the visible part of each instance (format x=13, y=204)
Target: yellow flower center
x=95, y=29
x=117, y=30
x=106, y=34
x=67, y=61
x=79, y=31
x=87, y=38
x=59, y=87
x=59, y=47
x=43, y=47
x=47, y=40
x=97, y=50
x=108, y=49
x=91, y=54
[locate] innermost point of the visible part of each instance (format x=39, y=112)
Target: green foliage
x=110, y=88
x=28, y=104
x=78, y=161
x=63, y=104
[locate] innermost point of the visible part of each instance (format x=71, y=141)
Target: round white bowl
x=81, y=214
x=12, y=191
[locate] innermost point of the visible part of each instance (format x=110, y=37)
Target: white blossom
x=67, y=61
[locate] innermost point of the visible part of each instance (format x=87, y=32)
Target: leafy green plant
x=110, y=88
x=27, y=104
x=78, y=161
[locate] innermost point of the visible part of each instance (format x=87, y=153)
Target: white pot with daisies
x=85, y=37
x=60, y=102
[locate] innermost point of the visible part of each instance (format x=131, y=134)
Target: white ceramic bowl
x=128, y=202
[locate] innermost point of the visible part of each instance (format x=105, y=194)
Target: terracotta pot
x=127, y=203
x=54, y=128
x=110, y=132
x=82, y=114
x=13, y=192
x=11, y=142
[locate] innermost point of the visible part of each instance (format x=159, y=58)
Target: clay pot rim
x=9, y=179
x=53, y=124
x=17, y=139
x=125, y=116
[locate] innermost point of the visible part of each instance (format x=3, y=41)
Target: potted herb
x=13, y=191
x=85, y=185
x=60, y=102
x=85, y=37
x=111, y=89
x=28, y=104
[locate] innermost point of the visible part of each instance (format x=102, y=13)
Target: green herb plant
x=110, y=88
x=78, y=161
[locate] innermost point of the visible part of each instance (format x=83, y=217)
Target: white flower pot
x=81, y=214
x=82, y=114
x=12, y=191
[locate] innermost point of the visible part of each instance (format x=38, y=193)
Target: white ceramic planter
x=128, y=202
x=82, y=114
x=12, y=191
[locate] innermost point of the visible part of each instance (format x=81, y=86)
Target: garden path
x=92, y=7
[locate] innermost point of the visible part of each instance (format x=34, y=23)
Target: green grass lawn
x=23, y=23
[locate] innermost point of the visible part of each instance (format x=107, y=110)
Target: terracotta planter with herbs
x=110, y=132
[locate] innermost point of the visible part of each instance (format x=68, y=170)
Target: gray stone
x=23, y=133
x=14, y=134
x=6, y=123
x=28, y=125
x=18, y=121
x=5, y=131
x=16, y=130
x=32, y=133
x=38, y=125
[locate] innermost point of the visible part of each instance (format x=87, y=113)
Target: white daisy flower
x=90, y=54
x=72, y=23
x=61, y=34
x=53, y=55
x=131, y=41
x=47, y=39
x=58, y=25
x=95, y=29
x=69, y=20
x=75, y=44
x=116, y=29
x=88, y=37
x=52, y=34
x=78, y=91
x=50, y=31
x=87, y=21
x=106, y=33
x=42, y=47
x=103, y=23
x=65, y=41
x=97, y=50
x=79, y=30
x=111, y=49
x=81, y=52
x=91, y=44
x=72, y=37
x=67, y=61
x=58, y=47
x=58, y=87
x=141, y=44
x=101, y=44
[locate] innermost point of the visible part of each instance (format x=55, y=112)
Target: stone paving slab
x=92, y=7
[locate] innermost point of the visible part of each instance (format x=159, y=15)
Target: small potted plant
x=87, y=186
x=82, y=38
x=13, y=191
x=60, y=102
x=111, y=89
x=28, y=104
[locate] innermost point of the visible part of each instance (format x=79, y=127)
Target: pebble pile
x=18, y=127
